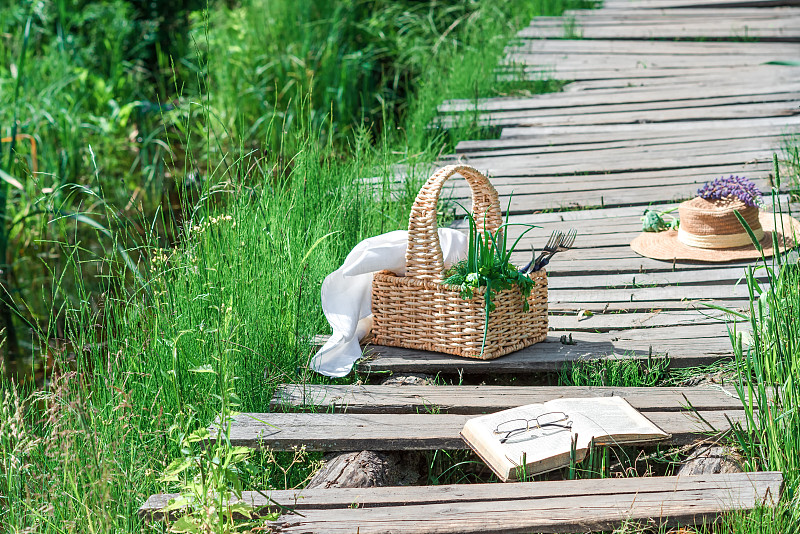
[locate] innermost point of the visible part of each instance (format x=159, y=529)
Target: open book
x=543, y=434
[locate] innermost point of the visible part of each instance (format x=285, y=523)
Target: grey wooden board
x=652, y=48
x=577, y=69
x=629, y=77
x=551, y=355
x=580, y=117
x=526, y=166
x=708, y=276
x=488, y=399
x=605, y=97
x=694, y=4
x=599, y=322
x=598, y=513
x=779, y=31
x=769, y=75
x=602, y=195
x=704, y=19
x=697, y=304
x=555, y=107
x=780, y=124
x=570, y=62
x=339, y=432
x=689, y=4
x=634, y=14
x=620, y=138
x=332, y=498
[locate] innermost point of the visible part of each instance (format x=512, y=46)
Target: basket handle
x=424, y=258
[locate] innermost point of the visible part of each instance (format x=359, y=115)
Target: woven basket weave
x=417, y=311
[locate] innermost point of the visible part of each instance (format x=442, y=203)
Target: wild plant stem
x=6, y=302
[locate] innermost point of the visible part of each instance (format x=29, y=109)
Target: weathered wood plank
x=604, y=97
x=586, y=141
x=634, y=14
x=652, y=48
x=680, y=344
x=560, y=514
x=692, y=4
x=487, y=399
x=577, y=71
x=322, y=499
x=588, y=118
x=780, y=124
x=377, y=432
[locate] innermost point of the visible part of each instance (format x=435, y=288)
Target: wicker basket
x=417, y=311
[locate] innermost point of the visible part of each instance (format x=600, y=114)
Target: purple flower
x=732, y=186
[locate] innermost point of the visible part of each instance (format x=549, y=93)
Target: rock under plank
x=339, y=432
x=488, y=399
x=768, y=486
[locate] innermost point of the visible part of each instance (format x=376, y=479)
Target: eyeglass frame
x=528, y=427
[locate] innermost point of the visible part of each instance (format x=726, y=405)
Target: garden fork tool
x=566, y=242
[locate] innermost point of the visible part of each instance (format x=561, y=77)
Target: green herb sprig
x=488, y=265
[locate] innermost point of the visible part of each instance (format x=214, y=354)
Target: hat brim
x=665, y=245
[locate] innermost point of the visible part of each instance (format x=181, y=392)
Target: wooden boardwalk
x=664, y=95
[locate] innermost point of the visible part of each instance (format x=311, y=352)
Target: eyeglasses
x=520, y=426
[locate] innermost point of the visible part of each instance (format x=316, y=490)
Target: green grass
x=229, y=175
x=768, y=361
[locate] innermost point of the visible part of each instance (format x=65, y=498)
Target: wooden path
x=665, y=95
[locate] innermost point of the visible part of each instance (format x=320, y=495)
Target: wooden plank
x=537, y=166
x=699, y=277
x=487, y=399
x=769, y=75
x=604, y=97
x=634, y=14
x=615, y=321
x=521, y=199
x=333, y=498
x=669, y=48
x=588, y=118
x=590, y=140
x=340, y=432
x=552, y=355
x=772, y=31
x=691, y=4
x=650, y=306
x=571, y=514
x=780, y=124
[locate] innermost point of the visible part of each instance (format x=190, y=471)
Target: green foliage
x=221, y=194
x=608, y=372
x=767, y=360
x=654, y=221
x=488, y=265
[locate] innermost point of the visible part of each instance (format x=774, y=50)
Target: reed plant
x=224, y=298
x=767, y=361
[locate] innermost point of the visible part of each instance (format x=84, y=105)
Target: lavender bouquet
x=732, y=186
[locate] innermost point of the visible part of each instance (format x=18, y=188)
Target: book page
x=611, y=420
x=543, y=449
x=606, y=420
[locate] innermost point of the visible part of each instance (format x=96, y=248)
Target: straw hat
x=710, y=231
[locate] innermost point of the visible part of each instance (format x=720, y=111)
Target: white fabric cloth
x=347, y=293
